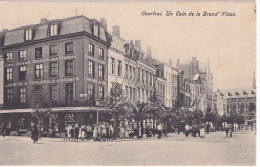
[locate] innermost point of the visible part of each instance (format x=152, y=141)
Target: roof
x=67, y=26
x=241, y=92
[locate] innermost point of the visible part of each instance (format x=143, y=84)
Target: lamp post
x=97, y=105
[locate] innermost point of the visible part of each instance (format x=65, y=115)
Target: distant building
x=199, y=84
x=237, y=101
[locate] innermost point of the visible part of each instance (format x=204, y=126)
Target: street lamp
x=97, y=105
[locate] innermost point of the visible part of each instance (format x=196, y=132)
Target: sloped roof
x=67, y=26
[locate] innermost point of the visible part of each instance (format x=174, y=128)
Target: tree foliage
x=41, y=105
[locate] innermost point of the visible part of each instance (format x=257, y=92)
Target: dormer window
x=53, y=29
x=96, y=30
x=28, y=34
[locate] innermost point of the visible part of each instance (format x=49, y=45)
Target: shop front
x=20, y=121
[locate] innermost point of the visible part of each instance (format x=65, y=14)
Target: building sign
x=45, y=81
x=46, y=60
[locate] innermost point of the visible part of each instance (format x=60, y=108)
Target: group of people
x=99, y=133
x=193, y=130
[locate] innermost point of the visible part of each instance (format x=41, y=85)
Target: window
x=91, y=49
x=91, y=69
x=38, y=71
x=91, y=91
x=134, y=98
x=22, y=93
x=133, y=73
x=9, y=95
x=69, y=68
x=9, y=74
x=119, y=68
x=101, y=53
x=151, y=79
x=101, y=72
x=22, y=73
x=69, y=48
x=69, y=93
x=143, y=75
x=22, y=55
x=130, y=72
x=54, y=92
x=53, y=50
x=138, y=73
x=112, y=65
x=53, y=29
x=38, y=53
x=147, y=77
x=96, y=30
x=126, y=70
x=37, y=88
x=101, y=92
x=28, y=34
x=54, y=69
x=9, y=57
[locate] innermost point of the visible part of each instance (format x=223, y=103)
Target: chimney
x=103, y=23
x=116, y=30
x=178, y=63
x=138, y=44
x=43, y=20
x=170, y=62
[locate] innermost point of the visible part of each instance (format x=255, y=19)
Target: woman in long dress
x=202, y=132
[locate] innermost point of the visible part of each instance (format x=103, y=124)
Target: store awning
x=56, y=109
x=27, y=110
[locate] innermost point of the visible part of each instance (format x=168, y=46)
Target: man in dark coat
x=76, y=133
x=35, y=133
x=4, y=128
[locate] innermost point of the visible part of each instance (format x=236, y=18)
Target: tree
x=139, y=114
x=118, y=104
x=154, y=108
x=41, y=106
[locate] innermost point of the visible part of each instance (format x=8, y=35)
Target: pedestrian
x=72, y=133
x=95, y=134
x=66, y=133
x=226, y=129
x=111, y=132
x=4, y=128
x=69, y=132
x=83, y=132
x=104, y=134
x=76, y=133
x=35, y=133
x=139, y=132
x=107, y=133
x=159, y=128
x=187, y=128
x=230, y=130
x=202, y=132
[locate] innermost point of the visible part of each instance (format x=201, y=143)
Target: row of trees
x=121, y=108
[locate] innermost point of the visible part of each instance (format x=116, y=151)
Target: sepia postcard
x=128, y=83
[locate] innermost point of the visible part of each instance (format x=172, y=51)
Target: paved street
x=215, y=149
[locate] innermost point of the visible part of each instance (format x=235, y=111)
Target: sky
x=229, y=43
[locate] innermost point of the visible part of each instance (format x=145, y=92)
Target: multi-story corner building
x=65, y=59
x=131, y=67
x=239, y=101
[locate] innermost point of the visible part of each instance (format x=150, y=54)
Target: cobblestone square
x=215, y=149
